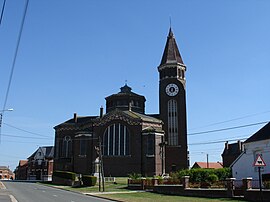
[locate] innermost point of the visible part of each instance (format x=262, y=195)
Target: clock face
x=172, y=89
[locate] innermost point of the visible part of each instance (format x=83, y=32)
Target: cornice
x=117, y=115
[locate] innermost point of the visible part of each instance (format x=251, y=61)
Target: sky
x=73, y=54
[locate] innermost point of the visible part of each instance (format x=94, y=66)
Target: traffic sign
x=259, y=162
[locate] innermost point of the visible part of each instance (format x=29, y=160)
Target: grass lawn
x=120, y=186
x=152, y=197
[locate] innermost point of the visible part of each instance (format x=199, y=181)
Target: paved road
x=33, y=192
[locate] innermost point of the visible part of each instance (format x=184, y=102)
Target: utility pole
x=207, y=161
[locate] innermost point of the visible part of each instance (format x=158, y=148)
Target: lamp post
x=1, y=119
x=1, y=115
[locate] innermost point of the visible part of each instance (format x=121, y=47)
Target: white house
x=257, y=144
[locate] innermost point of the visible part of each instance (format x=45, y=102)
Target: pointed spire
x=171, y=53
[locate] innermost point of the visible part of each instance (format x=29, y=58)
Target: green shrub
x=223, y=173
x=212, y=178
x=134, y=176
x=64, y=174
x=89, y=180
x=202, y=174
x=266, y=184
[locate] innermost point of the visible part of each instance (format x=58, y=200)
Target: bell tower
x=172, y=105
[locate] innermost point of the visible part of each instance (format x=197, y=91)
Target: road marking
x=12, y=198
x=55, y=195
x=43, y=191
x=2, y=186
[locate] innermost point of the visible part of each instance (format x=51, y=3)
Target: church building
x=124, y=139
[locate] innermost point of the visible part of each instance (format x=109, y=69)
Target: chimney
x=239, y=145
x=227, y=145
x=75, y=118
x=101, y=112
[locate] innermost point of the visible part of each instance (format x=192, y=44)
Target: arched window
x=66, y=147
x=116, y=140
x=172, y=123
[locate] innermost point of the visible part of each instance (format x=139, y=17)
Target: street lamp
x=1, y=114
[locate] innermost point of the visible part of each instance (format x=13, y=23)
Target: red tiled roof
x=214, y=165
x=22, y=162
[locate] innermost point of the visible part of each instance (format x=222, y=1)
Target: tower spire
x=171, y=52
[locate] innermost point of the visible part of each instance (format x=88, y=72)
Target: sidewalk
x=114, y=192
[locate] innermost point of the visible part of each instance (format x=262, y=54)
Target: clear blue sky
x=75, y=53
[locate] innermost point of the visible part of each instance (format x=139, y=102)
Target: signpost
x=259, y=162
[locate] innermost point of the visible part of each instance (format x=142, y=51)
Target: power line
x=215, y=142
x=14, y=59
x=24, y=142
x=16, y=53
x=17, y=136
x=26, y=131
x=2, y=11
x=229, y=128
x=233, y=119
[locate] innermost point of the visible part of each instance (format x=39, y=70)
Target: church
x=122, y=138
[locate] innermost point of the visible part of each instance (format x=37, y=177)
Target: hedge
x=89, y=180
x=64, y=174
x=203, y=174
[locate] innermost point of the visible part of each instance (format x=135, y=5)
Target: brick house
x=40, y=164
x=21, y=170
x=6, y=173
x=131, y=140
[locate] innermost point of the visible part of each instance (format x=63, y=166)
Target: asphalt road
x=33, y=192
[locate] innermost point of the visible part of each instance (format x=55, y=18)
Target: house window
x=66, y=147
x=83, y=147
x=172, y=123
x=116, y=140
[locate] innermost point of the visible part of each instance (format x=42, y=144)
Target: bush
x=64, y=174
x=134, y=176
x=212, y=178
x=89, y=180
x=223, y=173
x=202, y=174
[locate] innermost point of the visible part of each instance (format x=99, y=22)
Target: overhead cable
x=2, y=11
x=26, y=131
x=230, y=120
x=14, y=60
x=229, y=128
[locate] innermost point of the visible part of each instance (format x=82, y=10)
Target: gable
x=39, y=154
x=262, y=134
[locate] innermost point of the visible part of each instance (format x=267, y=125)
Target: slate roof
x=171, y=52
x=80, y=120
x=143, y=117
x=214, y=165
x=262, y=134
x=125, y=90
x=233, y=149
x=48, y=152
